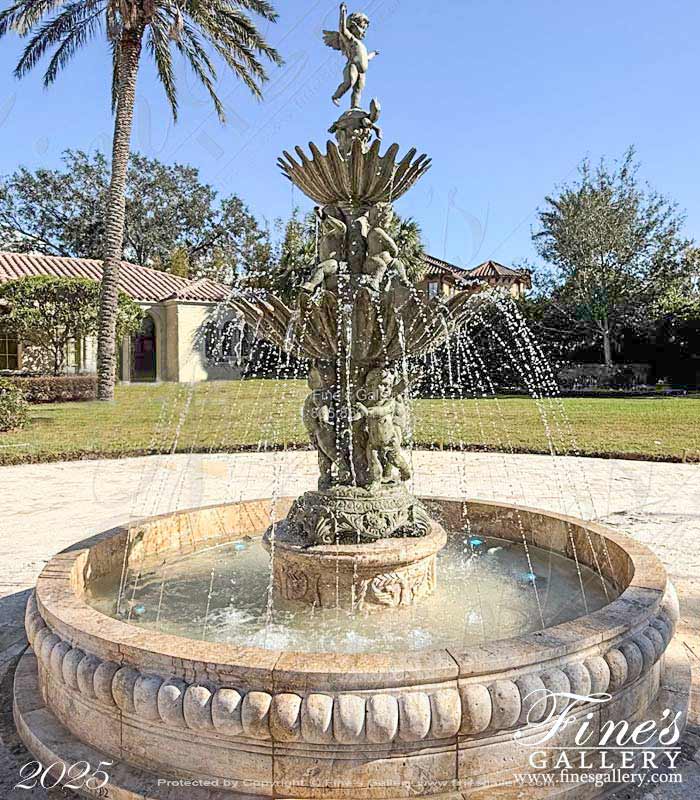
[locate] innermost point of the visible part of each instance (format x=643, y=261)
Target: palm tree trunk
x=607, y=344
x=114, y=221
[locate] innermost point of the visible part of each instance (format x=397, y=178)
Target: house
x=187, y=334
x=442, y=279
x=515, y=281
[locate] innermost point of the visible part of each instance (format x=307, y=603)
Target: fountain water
x=335, y=665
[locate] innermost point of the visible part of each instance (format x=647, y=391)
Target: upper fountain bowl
x=361, y=179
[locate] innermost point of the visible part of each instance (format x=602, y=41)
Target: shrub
x=13, y=406
x=51, y=312
x=56, y=388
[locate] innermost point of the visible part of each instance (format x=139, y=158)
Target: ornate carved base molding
x=384, y=574
x=352, y=515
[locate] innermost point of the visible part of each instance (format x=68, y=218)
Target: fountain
x=345, y=662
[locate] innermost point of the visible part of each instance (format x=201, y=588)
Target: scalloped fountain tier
x=254, y=722
x=387, y=328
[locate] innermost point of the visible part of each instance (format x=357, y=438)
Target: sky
x=506, y=96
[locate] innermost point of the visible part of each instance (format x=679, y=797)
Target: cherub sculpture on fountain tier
x=382, y=250
x=330, y=248
x=384, y=436
x=354, y=323
x=318, y=415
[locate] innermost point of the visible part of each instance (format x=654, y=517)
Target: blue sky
x=507, y=96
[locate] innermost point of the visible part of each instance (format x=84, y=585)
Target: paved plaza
x=50, y=506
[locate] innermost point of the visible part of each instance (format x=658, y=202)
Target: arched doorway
x=143, y=362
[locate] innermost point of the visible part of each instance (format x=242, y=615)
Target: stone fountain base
x=53, y=743
x=184, y=719
x=384, y=574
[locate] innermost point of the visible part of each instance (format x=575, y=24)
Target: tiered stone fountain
x=180, y=718
x=362, y=538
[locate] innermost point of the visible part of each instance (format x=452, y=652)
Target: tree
x=407, y=235
x=56, y=211
x=615, y=247
x=160, y=24
x=289, y=260
x=52, y=313
x=173, y=221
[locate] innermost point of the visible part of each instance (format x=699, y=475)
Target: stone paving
x=50, y=506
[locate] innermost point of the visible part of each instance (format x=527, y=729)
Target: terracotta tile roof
x=140, y=283
x=436, y=266
x=202, y=289
x=492, y=269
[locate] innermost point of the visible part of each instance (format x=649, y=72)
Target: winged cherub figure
x=348, y=39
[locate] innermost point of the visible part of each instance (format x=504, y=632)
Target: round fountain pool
x=315, y=713
x=487, y=588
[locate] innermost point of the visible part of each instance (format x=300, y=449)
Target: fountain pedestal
x=387, y=573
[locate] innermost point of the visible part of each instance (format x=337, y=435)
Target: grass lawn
x=260, y=414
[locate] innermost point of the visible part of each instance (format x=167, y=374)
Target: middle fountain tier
x=361, y=539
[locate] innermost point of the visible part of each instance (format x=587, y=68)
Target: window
x=224, y=345
x=433, y=289
x=74, y=355
x=9, y=350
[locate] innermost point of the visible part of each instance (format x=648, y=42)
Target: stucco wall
x=186, y=330
x=180, y=330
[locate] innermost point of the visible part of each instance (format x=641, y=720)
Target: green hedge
x=56, y=388
x=13, y=407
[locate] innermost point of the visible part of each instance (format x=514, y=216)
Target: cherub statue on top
x=330, y=249
x=349, y=40
x=382, y=250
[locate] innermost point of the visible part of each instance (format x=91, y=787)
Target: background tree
x=615, y=247
x=52, y=314
x=289, y=257
x=161, y=24
x=59, y=212
x=173, y=221
x=408, y=236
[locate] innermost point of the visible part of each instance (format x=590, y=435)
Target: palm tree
x=188, y=25
x=408, y=236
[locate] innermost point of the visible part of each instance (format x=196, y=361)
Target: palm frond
x=23, y=16
x=196, y=55
x=233, y=33
x=159, y=46
x=197, y=29
x=262, y=8
x=71, y=44
x=116, y=60
x=259, y=7
x=54, y=31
